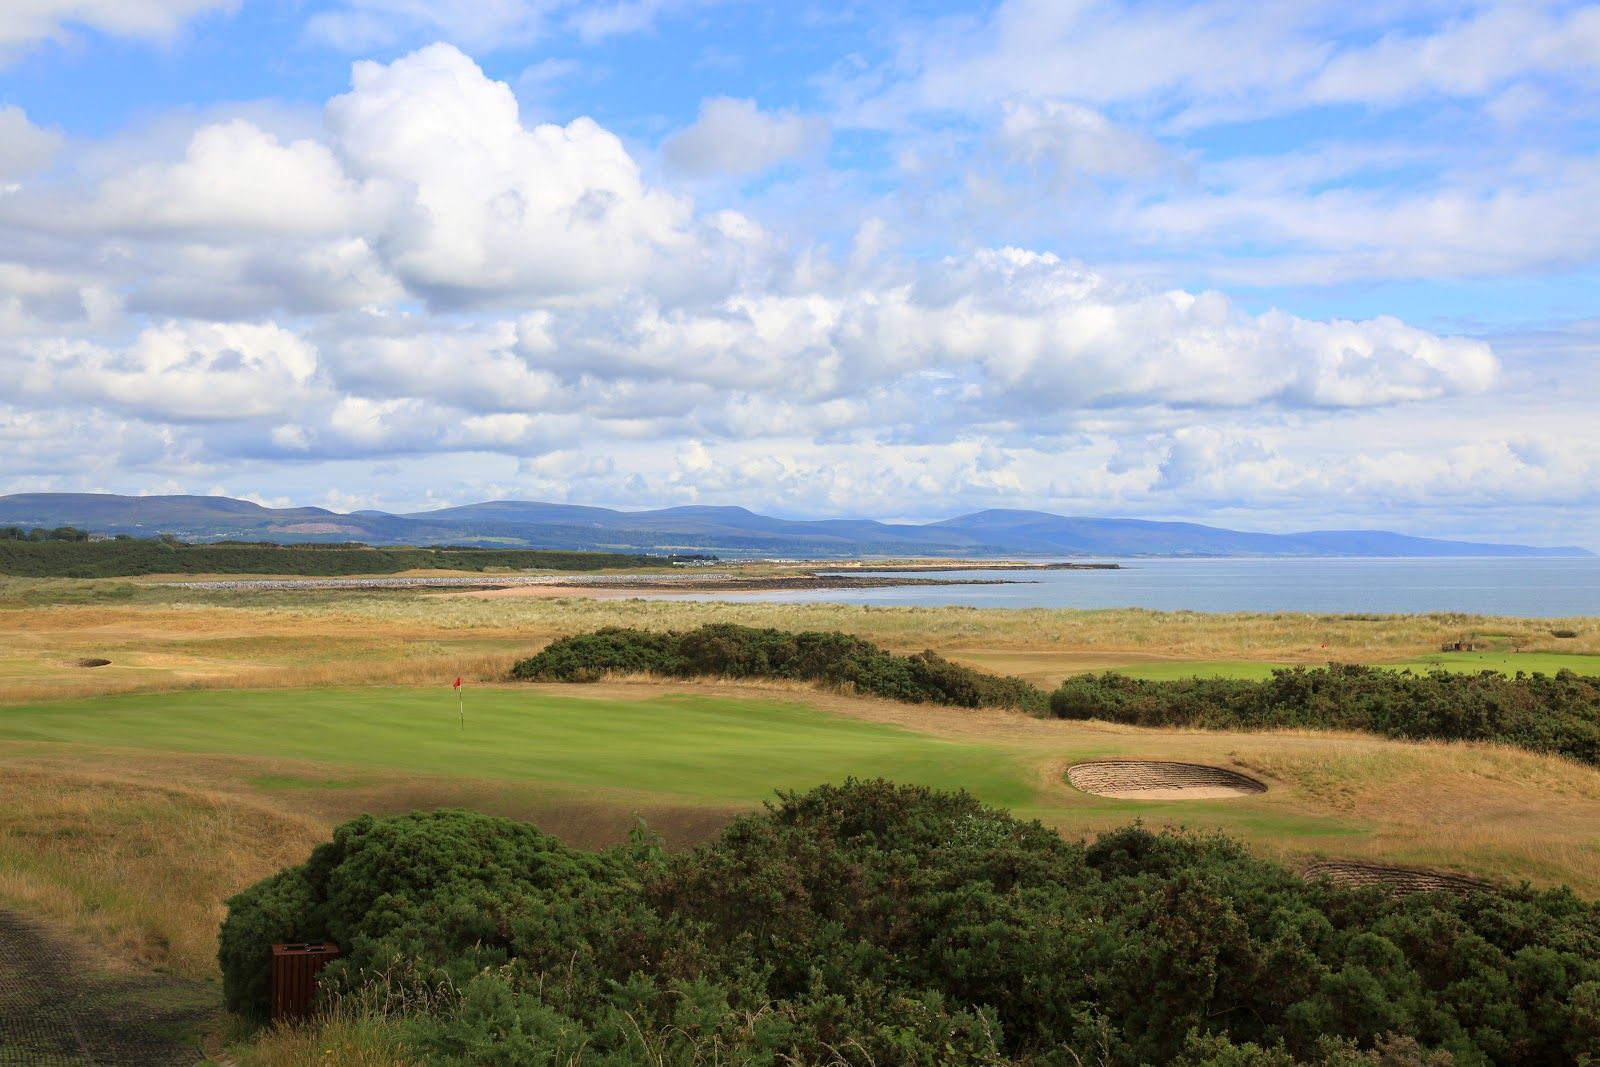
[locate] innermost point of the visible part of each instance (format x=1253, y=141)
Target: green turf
x=1256, y=670
x=1506, y=662
x=734, y=751
x=1251, y=670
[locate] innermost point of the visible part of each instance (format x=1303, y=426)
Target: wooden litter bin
x=294, y=977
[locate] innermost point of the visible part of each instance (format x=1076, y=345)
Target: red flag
x=458, y=683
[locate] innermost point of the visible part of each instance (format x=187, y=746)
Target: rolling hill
x=729, y=531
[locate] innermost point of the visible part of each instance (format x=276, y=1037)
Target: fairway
x=1457, y=662
x=703, y=749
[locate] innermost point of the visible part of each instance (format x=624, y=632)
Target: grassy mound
x=1558, y=714
x=909, y=926
x=725, y=650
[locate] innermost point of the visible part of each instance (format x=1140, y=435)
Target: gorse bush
x=725, y=650
x=460, y=890
x=1558, y=715
x=875, y=923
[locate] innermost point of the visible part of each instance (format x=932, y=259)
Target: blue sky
x=1284, y=267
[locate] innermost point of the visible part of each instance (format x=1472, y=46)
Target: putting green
x=734, y=751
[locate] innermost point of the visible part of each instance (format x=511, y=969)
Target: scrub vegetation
x=875, y=923
x=725, y=650
x=1558, y=715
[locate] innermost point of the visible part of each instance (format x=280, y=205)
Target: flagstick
x=461, y=706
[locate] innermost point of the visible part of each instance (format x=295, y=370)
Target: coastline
x=591, y=585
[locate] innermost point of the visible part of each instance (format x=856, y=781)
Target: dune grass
x=161, y=637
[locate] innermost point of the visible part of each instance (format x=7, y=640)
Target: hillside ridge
x=726, y=530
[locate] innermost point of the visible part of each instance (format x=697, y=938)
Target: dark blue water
x=1528, y=587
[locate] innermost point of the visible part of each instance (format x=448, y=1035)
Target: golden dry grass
x=132, y=856
x=137, y=852
x=347, y=1036
x=159, y=637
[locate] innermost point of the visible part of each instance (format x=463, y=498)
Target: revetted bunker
x=1160, y=780
x=1355, y=873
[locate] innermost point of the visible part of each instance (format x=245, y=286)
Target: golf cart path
x=60, y=1006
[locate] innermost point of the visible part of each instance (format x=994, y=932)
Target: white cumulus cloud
x=491, y=205
x=178, y=370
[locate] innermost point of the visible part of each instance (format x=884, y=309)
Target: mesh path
x=60, y=1007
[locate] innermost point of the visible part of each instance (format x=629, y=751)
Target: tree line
x=127, y=556
x=39, y=533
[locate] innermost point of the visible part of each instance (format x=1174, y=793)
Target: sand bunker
x=1155, y=780
x=1394, y=879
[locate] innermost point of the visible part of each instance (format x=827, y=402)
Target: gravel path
x=60, y=1007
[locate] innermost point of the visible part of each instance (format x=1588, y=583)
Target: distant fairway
x=687, y=747
x=1460, y=662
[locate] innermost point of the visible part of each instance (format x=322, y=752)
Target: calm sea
x=1530, y=587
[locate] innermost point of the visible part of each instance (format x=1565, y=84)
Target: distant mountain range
x=728, y=531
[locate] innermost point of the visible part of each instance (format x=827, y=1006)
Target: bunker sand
x=1161, y=780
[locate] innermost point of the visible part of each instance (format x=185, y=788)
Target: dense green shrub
x=725, y=650
x=874, y=923
x=1541, y=713
x=454, y=890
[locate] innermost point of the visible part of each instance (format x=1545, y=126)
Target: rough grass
x=159, y=637
x=348, y=1036
x=138, y=864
